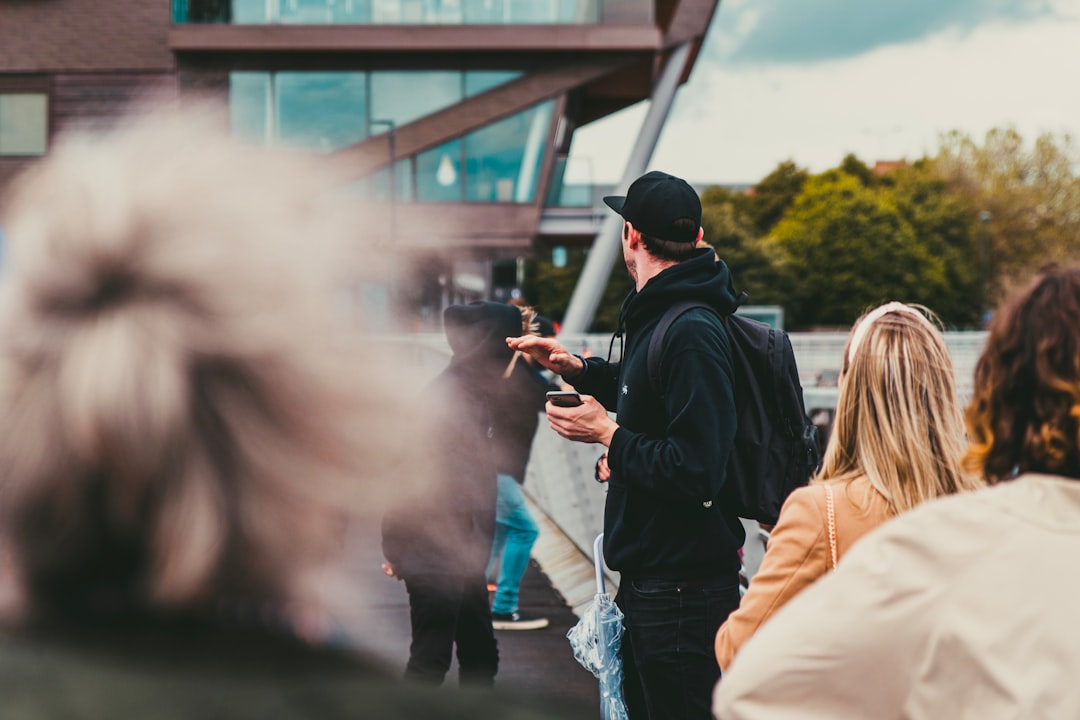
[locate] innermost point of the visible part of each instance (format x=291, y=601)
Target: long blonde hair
x=898, y=420
x=178, y=419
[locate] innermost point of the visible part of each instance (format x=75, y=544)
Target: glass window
x=571, y=183
x=350, y=11
x=580, y=11
x=477, y=81
x=251, y=11
x=438, y=174
x=409, y=12
x=417, y=12
x=482, y=12
x=406, y=96
x=323, y=12
x=320, y=111
x=503, y=159
x=249, y=106
x=24, y=123
x=523, y=12
x=403, y=182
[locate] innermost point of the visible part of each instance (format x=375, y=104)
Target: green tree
x=944, y=225
x=1027, y=195
x=851, y=247
x=734, y=236
x=548, y=288
x=856, y=168
x=770, y=199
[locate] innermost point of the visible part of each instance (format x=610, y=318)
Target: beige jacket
x=965, y=607
x=799, y=553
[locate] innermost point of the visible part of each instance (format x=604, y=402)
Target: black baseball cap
x=655, y=201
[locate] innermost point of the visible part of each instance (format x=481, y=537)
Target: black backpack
x=776, y=447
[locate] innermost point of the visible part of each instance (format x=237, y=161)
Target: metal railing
x=559, y=477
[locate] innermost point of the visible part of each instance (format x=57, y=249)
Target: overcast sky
x=811, y=80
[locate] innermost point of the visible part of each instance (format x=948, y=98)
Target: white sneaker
x=517, y=621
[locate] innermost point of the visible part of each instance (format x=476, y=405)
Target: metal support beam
x=608, y=244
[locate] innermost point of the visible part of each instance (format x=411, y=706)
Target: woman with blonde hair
x=964, y=607
x=896, y=442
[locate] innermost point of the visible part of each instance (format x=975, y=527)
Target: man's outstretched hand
x=549, y=353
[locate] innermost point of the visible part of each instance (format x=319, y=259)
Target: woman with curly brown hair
x=965, y=606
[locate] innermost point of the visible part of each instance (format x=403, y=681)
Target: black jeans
x=668, y=657
x=446, y=610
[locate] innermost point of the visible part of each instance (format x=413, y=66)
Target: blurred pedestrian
x=184, y=436
x=438, y=535
x=517, y=409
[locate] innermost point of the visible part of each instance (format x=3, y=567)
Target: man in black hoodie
x=675, y=545
x=438, y=533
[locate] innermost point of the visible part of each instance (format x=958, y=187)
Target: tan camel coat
x=965, y=607
x=799, y=553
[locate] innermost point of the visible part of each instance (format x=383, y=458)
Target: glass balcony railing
x=413, y=12
x=326, y=111
x=571, y=184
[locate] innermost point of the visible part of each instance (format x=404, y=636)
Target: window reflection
x=478, y=81
x=407, y=12
x=379, y=188
x=503, y=159
x=324, y=12
x=24, y=123
x=249, y=106
x=320, y=111
x=438, y=174
x=407, y=96
x=325, y=111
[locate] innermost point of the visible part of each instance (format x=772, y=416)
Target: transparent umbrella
x=596, y=640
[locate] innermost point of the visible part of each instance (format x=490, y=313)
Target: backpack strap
x=656, y=342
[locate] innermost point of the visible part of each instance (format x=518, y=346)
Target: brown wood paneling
x=205, y=83
x=412, y=40
x=10, y=167
x=87, y=99
x=690, y=21
x=24, y=83
x=84, y=35
x=665, y=11
x=636, y=12
x=444, y=226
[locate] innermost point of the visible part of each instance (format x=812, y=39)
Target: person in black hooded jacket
x=675, y=545
x=437, y=536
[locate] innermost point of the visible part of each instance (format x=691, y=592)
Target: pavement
x=536, y=665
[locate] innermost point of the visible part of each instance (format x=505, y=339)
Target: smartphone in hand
x=564, y=398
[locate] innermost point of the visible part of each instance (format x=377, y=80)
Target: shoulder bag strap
x=830, y=516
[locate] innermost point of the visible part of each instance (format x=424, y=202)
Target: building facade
x=454, y=117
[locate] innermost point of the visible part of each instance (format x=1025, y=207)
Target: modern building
x=455, y=115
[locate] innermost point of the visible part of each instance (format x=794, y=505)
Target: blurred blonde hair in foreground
x=180, y=421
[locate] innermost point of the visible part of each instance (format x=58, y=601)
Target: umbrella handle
x=598, y=561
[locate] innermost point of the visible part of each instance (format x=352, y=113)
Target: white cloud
x=735, y=125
